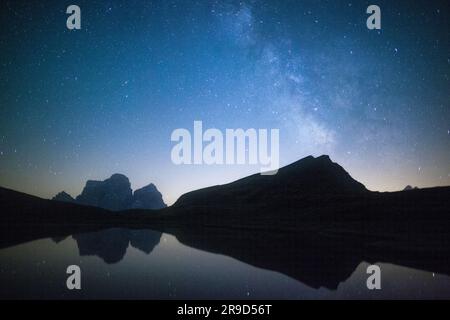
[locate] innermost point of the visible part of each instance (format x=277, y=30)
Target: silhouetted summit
x=308, y=178
x=408, y=187
x=63, y=197
x=318, y=176
x=148, y=197
x=115, y=194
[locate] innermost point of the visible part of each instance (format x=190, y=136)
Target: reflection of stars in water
x=172, y=290
x=39, y=263
x=247, y=290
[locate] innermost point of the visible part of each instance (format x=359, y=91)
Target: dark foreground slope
x=311, y=221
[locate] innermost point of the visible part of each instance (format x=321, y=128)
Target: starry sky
x=84, y=104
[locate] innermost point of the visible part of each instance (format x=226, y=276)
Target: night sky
x=84, y=104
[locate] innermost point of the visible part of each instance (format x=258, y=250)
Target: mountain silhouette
x=112, y=194
x=115, y=194
x=63, y=197
x=148, y=197
x=408, y=187
x=305, y=179
x=296, y=191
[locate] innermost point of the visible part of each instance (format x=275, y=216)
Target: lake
x=146, y=264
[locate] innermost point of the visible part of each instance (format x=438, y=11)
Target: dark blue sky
x=78, y=105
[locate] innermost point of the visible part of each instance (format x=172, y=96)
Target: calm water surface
x=125, y=264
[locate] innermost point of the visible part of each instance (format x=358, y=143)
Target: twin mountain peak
x=115, y=194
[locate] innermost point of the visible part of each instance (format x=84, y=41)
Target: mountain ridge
x=306, y=177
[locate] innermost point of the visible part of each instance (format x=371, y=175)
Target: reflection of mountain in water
x=323, y=259
x=111, y=245
x=312, y=259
